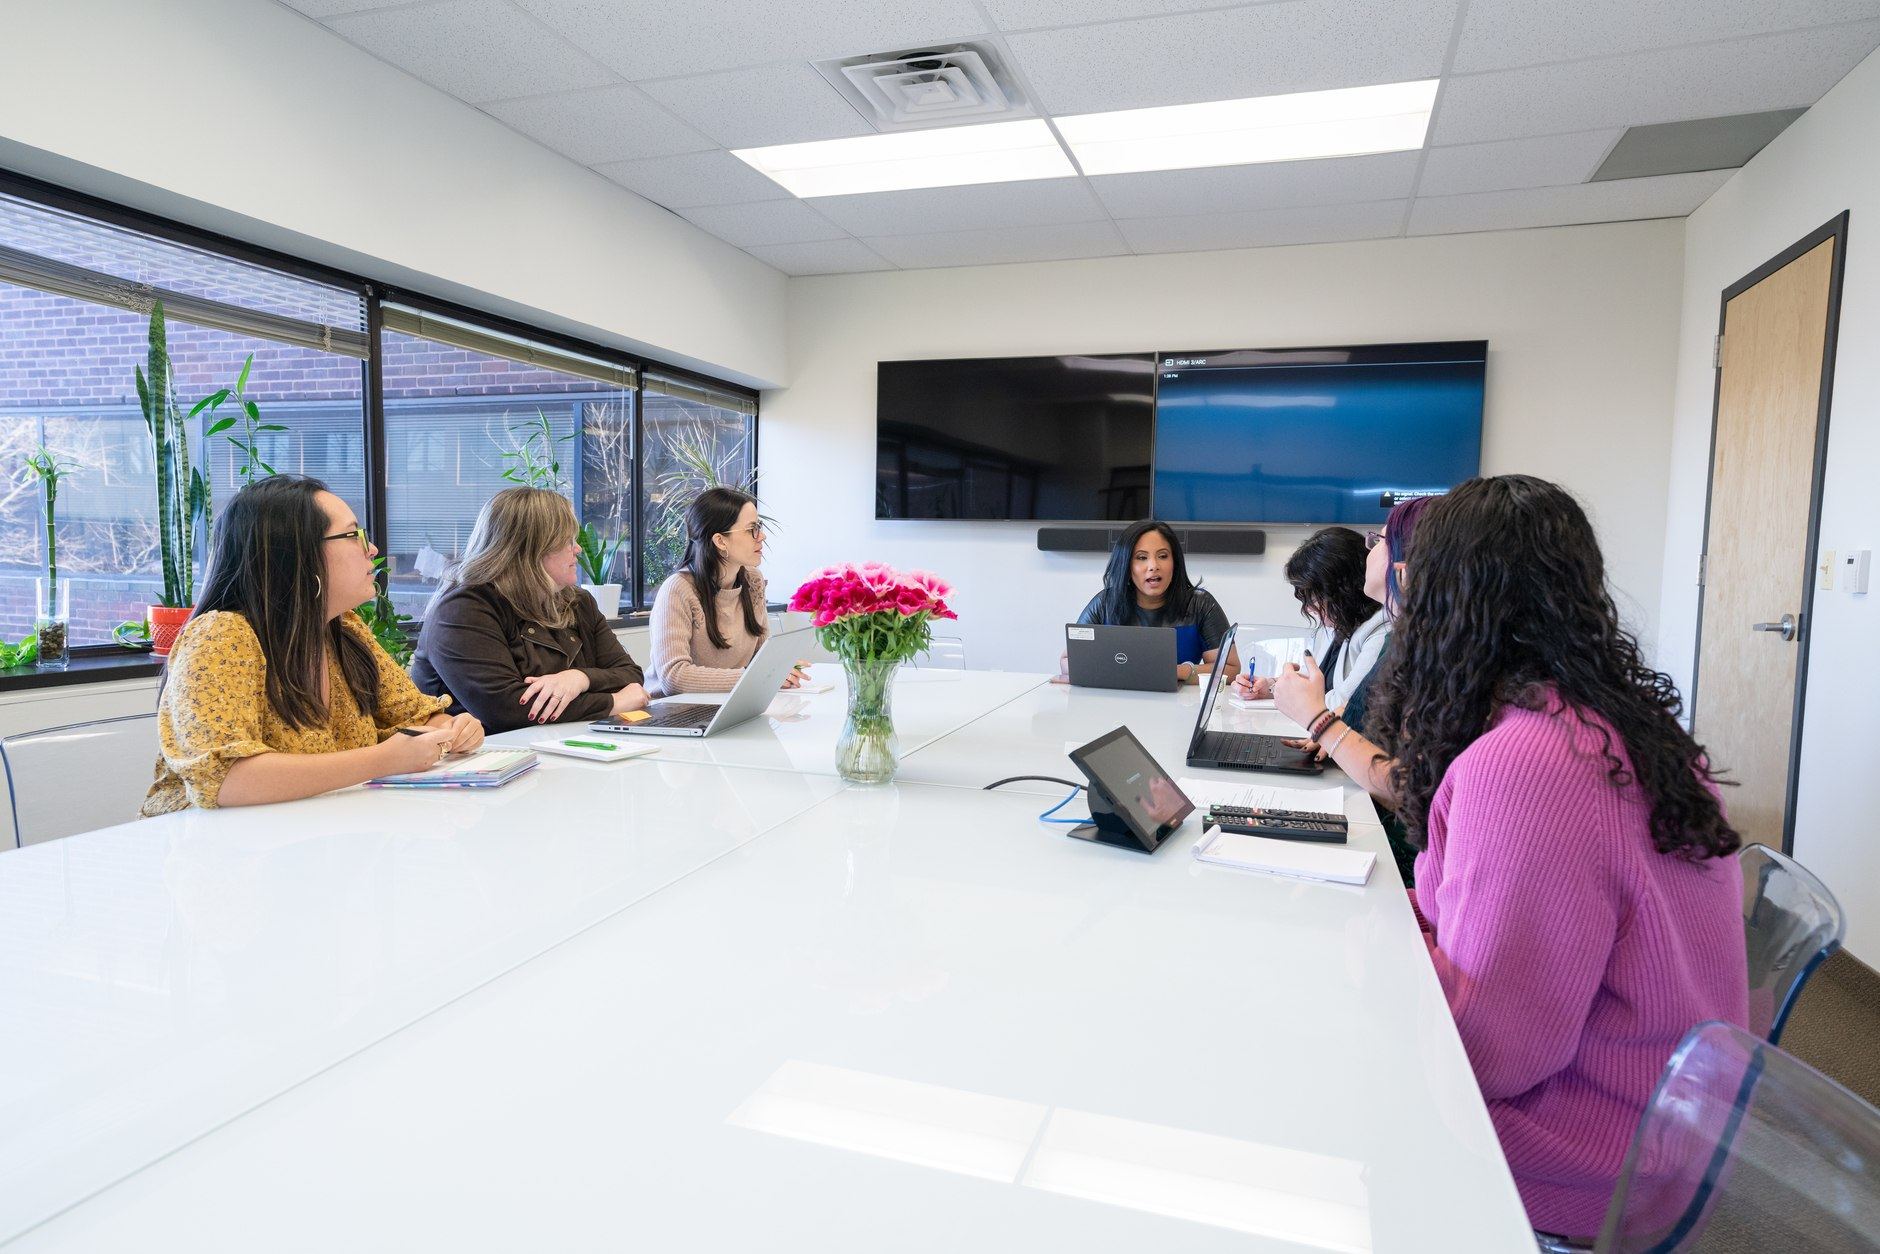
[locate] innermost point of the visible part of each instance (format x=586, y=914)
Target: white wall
x=1582, y=328
x=1822, y=165
x=243, y=117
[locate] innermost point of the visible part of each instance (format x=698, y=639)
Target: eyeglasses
x=357, y=533
x=1371, y=539
x=755, y=530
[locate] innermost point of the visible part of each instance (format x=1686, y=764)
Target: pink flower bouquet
x=872, y=612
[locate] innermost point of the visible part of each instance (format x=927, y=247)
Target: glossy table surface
x=672, y=1004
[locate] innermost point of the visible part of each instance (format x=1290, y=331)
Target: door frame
x=1834, y=229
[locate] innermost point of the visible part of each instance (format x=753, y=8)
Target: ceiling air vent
x=928, y=86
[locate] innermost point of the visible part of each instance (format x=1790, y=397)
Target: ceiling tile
x=692, y=179
x=999, y=245
x=1303, y=45
x=476, y=50
x=655, y=38
x=323, y=9
x=1035, y=202
x=1273, y=185
x=1502, y=34
x=766, y=222
x=1669, y=196
x=1742, y=76
x=612, y=123
x=1028, y=14
x=1265, y=227
x=836, y=256
x=778, y=104
x=1546, y=161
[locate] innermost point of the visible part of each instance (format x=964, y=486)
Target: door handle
x=1787, y=627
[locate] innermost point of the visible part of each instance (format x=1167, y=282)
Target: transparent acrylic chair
x=947, y=654
x=1791, y=924
x=1743, y=1147
x=64, y=780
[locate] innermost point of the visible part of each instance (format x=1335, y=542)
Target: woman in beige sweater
x=708, y=617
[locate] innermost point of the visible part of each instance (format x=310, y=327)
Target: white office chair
x=65, y=780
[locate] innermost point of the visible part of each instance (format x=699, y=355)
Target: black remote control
x=1280, y=824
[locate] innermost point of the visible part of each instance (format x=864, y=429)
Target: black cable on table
x=1044, y=779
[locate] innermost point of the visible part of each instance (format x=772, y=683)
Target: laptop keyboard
x=1246, y=749
x=688, y=715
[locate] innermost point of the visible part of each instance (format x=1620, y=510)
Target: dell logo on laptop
x=1122, y=659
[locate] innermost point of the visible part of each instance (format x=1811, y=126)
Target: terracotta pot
x=165, y=622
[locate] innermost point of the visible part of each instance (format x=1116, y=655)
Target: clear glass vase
x=868, y=749
x=52, y=621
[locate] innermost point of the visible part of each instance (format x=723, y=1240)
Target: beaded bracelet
x=1337, y=740
x=1320, y=721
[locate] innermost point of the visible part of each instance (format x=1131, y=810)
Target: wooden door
x=1774, y=361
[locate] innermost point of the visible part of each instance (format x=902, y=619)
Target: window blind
x=477, y=340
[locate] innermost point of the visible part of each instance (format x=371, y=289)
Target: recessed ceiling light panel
x=999, y=152
x=1351, y=121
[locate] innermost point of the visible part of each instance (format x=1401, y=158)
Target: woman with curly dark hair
x=1332, y=581
x=1581, y=911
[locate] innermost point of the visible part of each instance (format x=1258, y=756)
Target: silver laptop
x=1139, y=658
x=761, y=682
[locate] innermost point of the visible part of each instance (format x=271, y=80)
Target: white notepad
x=1286, y=857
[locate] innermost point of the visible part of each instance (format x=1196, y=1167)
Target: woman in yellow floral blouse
x=276, y=689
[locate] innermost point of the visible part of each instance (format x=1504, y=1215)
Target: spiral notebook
x=491, y=768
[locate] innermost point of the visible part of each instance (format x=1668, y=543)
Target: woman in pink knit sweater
x=1574, y=871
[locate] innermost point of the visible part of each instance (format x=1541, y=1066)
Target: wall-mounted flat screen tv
x=1061, y=439
x=1314, y=435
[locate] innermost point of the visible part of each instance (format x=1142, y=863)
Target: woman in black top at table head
x=1146, y=584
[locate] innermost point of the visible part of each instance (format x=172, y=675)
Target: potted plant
x=597, y=563
x=874, y=618
x=15, y=656
x=387, y=625
x=182, y=492
x=52, y=597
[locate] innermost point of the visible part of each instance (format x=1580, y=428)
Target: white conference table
x=685, y=1005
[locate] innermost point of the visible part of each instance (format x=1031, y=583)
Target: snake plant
x=183, y=496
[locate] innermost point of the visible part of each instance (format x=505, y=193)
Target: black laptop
x=1139, y=658
x=1245, y=751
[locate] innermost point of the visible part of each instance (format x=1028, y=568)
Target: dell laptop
x=761, y=682
x=1139, y=658
x=1245, y=751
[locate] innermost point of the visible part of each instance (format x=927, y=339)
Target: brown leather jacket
x=476, y=647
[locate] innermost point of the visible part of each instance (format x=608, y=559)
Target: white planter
x=606, y=595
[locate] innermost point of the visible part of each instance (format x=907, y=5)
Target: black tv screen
x=1062, y=439
x=1315, y=435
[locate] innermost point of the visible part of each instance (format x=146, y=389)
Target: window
x=463, y=406
x=697, y=436
x=74, y=325
x=458, y=396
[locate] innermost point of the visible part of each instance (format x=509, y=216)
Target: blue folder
x=1188, y=643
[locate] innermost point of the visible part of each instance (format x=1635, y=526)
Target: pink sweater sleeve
x=1525, y=919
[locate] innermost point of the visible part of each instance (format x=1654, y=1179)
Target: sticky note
x=635, y=716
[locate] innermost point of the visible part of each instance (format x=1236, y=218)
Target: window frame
x=373, y=294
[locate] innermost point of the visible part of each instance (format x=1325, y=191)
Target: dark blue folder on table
x=1188, y=643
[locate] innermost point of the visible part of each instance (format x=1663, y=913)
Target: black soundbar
x=1100, y=538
